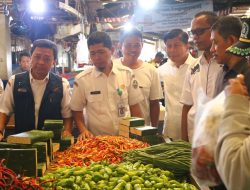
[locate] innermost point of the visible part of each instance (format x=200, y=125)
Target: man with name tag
x=147, y=75
x=106, y=91
x=36, y=95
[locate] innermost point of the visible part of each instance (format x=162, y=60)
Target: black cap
x=242, y=47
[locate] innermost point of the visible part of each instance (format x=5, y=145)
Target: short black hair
x=210, y=16
x=176, y=33
x=159, y=54
x=128, y=33
x=228, y=25
x=23, y=54
x=45, y=43
x=98, y=38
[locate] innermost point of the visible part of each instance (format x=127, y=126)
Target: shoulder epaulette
x=122, y=67
x=84, y=73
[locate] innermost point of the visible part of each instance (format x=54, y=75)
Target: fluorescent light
x=147, y=5
x=128, y=26
x=37, y=6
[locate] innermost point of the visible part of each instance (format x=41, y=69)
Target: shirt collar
x=203, y=60
x=185, y=63
x=188, y=60
x=32, y=78
x=98, y=73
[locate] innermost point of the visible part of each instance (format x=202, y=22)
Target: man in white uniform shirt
x=108, y=92
x=146, y=75
x=172, y=75
x=36, y=95
x=1, y=87
x=201, y=76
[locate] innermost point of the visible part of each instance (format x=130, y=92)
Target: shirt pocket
x=145, y=91
x=95, y=101
x=124, y=97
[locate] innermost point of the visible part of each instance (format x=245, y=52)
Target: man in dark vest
x=38, y=94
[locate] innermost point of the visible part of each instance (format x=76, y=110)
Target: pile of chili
x=100, y=148
x=10, y=181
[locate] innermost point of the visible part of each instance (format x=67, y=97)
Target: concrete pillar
x=5, y=48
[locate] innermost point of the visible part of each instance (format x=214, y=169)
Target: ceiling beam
x=70, y=10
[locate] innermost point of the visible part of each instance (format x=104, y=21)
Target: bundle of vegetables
x=174, y=156
x=109, y=148
x=102, y=176
x=10, y=181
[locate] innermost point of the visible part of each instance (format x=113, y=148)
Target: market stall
x=102, y=162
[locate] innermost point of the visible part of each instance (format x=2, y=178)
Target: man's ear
x=232, y=39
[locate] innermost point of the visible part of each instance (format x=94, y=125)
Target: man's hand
x=237, y=86
x=66, y=133
x=84, y=135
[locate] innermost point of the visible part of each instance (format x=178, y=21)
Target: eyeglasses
x=199, y=31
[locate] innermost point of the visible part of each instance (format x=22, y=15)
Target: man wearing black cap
x=38, y=94
x=226, y=32
x=232, y=149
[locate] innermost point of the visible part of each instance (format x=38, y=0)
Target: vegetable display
x=10, y=181
x=100, y=148
x=174, y=156
x=102, y=176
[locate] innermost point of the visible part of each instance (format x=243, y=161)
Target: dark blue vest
x=24, y=105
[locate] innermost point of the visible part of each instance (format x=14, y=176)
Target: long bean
x=174, y=156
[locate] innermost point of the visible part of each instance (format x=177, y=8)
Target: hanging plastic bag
x=208, y=119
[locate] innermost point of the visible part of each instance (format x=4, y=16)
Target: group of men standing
x=186, y=79
x=127, y=86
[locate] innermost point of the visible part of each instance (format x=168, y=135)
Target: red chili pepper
x=98, y=148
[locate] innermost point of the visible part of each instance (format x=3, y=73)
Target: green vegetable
x=174, y=157
x=120, y=185
x=128, y=186
x=66, y=182
x=100, y=176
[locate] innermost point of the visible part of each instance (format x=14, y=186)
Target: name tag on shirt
x=121, y=109
x=23, y=90
x=95, y=92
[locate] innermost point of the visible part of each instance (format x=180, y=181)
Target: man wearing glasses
x=200, y=76
x=38, y=94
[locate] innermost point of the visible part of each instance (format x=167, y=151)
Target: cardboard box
x=132, y=121
x=143, y=131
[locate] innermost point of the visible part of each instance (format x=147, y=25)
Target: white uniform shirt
x=149, y=83
x=200, y=77
x=98, y=94
x=1, y=88
x=38, y=88
x=173, y=79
